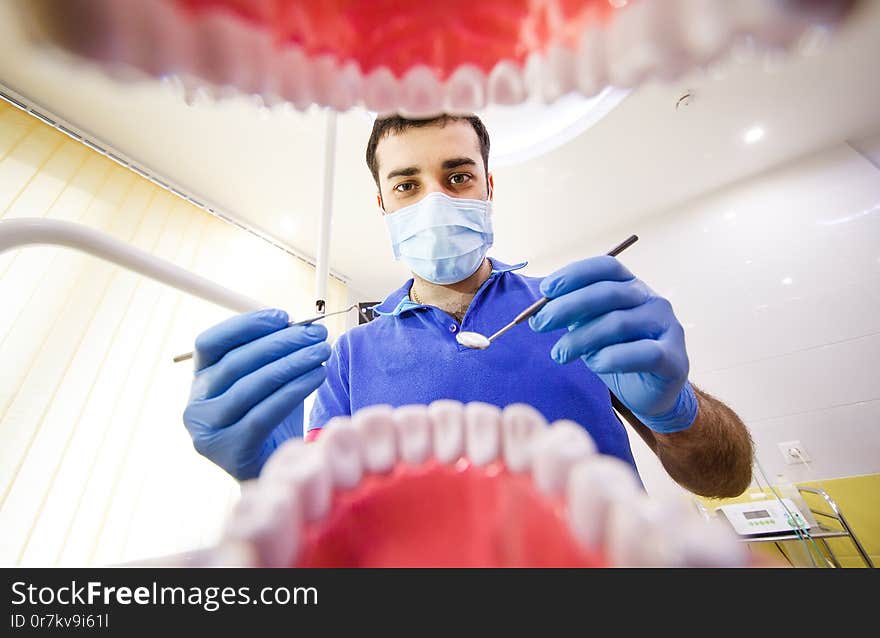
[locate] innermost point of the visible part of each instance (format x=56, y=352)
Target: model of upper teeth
x=417, y=58
x=452, y=484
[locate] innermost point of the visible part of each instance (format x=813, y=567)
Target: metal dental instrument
x=479, y=342
x=189, y=355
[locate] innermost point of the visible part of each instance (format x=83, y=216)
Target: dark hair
x=396, y=124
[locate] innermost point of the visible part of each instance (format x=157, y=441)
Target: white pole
x=29, y=231
x=322, y=259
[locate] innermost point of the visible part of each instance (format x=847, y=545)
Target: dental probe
x=189, y=355
x=479, y=342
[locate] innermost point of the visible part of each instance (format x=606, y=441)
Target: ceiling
x=264, y=167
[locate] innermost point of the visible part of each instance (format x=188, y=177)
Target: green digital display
x=757, y=514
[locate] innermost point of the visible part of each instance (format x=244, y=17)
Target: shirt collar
x=399, y=302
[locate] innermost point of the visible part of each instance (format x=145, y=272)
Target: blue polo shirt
x=408, y=354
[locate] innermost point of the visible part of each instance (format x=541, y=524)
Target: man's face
x=442, y=159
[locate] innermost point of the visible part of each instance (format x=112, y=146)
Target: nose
x=433, y=185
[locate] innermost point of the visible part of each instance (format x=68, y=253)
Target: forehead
x=425, y=146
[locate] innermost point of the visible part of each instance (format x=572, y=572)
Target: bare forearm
x=713, y=457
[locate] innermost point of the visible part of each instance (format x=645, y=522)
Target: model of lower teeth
x=468, y=485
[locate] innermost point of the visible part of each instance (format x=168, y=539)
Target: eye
x=460, y=178
x=404, y=187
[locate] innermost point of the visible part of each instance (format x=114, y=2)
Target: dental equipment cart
x=819, y=532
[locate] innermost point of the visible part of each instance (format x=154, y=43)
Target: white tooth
x=558, y=77
x=447, y=421
x=231, y=553
x=324, y=78
x=376, y=428
x=813, y=41
x=272, y=99
x=466, y=90
x=591, y=72
x=555, y=451
x=638, y=535
x=672, y=58
x=420, y=93
x=647, y=44
x=594, y=484
x=249, y=48
x=482, y=432
x=261, y=75
x=709, y=544
x=770, y=22
x=743, y=50
x=619, y=38
x=177, y=51
x=272, y=88
x=185, y=87
x=648, y=532
x=413, y=433
x=532, y=73
x=705, y=28
x=267, y=519
x=633, y=51
x=296, y=78
x=519, y=423
x=381, y=91
x=505, y=84
x=342, y=447
x=302, y=467
x=217, y=57
x=233, y=54
x=344, y=93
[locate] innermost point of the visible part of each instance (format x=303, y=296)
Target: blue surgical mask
x=442, y=239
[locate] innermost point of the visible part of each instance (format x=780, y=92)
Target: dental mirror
x=473, y=340
x=476, y=341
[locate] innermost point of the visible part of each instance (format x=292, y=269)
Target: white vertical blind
x=96, y=466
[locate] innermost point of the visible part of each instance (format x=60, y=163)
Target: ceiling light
x=530, y=129
x=753, y=135
x=289, y=225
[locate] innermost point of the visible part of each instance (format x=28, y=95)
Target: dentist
x=604, y=336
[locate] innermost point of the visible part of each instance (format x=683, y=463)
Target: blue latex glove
x=252, y=374
x=626, y=334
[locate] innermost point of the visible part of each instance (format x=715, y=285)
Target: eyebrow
x=409, y=171
x=406, y=172
x=458, y=161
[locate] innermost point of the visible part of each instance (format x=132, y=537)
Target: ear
x=379, y=202
x=490, y=178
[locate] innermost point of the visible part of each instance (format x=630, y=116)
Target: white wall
x=777, y=282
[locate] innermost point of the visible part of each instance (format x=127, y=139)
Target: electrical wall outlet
x=793, y=452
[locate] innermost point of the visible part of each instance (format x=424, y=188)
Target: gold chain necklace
x=459, y=316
